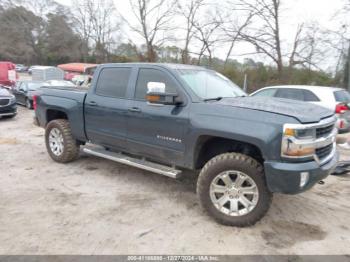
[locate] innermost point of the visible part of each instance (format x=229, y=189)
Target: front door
x=20, y=92
x=106, y=108
x=157, y=131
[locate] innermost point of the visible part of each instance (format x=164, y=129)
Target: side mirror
x=156, y=95
x=163, y=98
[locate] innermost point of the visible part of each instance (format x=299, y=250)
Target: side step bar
x=135, y=162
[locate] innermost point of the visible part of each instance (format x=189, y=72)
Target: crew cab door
x=106, y=107
x=157, y=131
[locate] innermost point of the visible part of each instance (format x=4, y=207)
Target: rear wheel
x=232, y=189
x=60, y=144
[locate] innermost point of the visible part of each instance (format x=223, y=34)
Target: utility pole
x=348, y=72
x=245, y=85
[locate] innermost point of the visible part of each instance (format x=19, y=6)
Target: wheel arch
x=208, y=146
x=53, y=114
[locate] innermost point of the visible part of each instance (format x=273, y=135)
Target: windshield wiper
x=213, y=99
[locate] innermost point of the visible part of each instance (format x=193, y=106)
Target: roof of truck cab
x=312, y=88
x=164, y=65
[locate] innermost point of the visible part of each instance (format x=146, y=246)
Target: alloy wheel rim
x=234, y=193
x=56, y=141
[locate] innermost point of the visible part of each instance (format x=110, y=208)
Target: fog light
x=304, y=178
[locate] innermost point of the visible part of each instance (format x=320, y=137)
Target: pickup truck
x=167, y=118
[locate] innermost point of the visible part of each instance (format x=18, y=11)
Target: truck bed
x=75, y=93
x=63, y=99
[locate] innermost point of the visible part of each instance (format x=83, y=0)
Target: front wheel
x=60, y=144
x=232, y=189
x=29, y=104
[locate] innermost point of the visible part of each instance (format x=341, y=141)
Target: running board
x=135, y=162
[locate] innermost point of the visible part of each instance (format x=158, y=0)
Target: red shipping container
x=8, y=75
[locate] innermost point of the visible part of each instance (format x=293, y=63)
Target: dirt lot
x=95, y=206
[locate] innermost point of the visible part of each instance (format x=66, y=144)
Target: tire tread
x=71, y=148
x=240, y=160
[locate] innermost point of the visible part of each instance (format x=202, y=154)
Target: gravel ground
x=95, y=206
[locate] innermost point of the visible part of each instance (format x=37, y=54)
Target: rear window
x=342, y=96
x=113, y=82
x=297, y=94
x=310, y=96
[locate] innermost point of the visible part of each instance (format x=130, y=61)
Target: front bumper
x=285, y=178
x=9, y=110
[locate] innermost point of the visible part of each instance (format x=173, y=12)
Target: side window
x=289, y=93
x=152, y=75
x=113, y=82
x=310, y=96
x=267, y=92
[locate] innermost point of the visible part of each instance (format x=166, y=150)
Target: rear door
x=106, y=107
x=157, y=131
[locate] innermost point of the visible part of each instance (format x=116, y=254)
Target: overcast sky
x=294, y=12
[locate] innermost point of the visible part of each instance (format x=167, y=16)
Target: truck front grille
x=323, y=152
x=324, y=131
x=4, y=102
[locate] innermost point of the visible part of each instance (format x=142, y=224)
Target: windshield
x=209, y=84
x=342, y=96
x=35, y=86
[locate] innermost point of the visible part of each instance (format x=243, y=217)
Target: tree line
x=185, y=31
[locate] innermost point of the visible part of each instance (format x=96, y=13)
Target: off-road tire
x=71, y=147
x=241, y=163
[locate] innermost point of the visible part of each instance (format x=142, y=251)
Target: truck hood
x=302, y=111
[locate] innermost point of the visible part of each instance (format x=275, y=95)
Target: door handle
x=135, y=109
x=93, y=103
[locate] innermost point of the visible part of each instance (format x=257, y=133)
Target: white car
x=336, y=99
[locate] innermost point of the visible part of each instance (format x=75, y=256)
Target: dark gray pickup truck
x=166, y=118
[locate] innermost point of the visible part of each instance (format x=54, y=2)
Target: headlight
x=298, y=142
x=12, y=99
x=300, y=133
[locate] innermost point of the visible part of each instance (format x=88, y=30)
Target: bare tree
x=104, y=24
x=339, y=42
x=207, y=35
x=309, y=47
x=189, y=12
x=97, y=24
x=83, y=25
x=266, y=38
x=153, y=23
x=234, y=22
